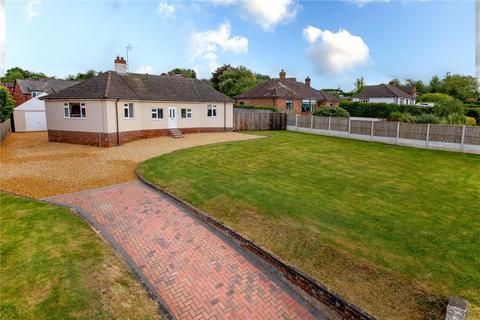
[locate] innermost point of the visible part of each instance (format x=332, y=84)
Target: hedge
x=251, y=106
x=380, y=110
x=332, y=112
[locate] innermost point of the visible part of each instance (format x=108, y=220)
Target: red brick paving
x=197, y=273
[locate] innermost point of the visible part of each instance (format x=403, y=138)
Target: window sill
x=153, y=119
x=72, y=118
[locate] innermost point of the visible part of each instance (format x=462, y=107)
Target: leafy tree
x=83, y=76
x=396, y=82
x=236, y=80
x=359, y=85
x=460, y=87
x=18, y=73
x=187, y=73
x=6, y=104
x=436, y=97
x=419, y=85
x=261, y=77
x=217, y=73
x=452, y=110
x=435, y=85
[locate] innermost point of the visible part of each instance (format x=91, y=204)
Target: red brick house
x=26, y=89
x=288, y=94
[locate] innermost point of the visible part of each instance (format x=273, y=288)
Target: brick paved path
x=197, y=273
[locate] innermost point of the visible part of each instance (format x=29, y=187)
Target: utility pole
x=477, y=39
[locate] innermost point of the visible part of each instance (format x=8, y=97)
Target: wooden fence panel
x=414, y=131
x=472, y=135
x=361, y=127
x=385, y=129
x=443, y=133
x=5, y=129
x=244, y=121
x=339, y=124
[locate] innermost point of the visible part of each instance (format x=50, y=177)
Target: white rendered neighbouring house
x=387, y=93
x=117, y=107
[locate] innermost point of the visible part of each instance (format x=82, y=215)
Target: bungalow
x=288, y=94
x=387, y=93
x=115, y=107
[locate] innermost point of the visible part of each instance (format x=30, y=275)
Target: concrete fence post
x=329, y=123
x=371, y=128
x=398, y=131
x=296, y=121
x=428, y=133
x=349, y=125
x=463, y=137
x=311, y=123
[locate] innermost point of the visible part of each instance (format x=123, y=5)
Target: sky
x=332, y=42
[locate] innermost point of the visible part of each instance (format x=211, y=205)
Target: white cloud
x=266, y=13
x=205, y=44
x=30, y=11
x=311, y=34
x=166, y=9
x=335, y=52
x=361, y=3
x=145, y=69
x=269, y=13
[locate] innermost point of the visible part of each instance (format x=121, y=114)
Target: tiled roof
x=382, y=91
x=132, y=86
x=45, y=85
x=289, y=88
x=407, y=89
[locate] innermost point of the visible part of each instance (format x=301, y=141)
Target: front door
x=172, y=117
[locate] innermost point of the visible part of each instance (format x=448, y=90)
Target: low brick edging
x=102, y=139
x=310, y=289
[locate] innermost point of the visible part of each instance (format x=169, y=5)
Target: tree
x=6, y=104
x=419, y=85
x=83, y=76
x=187, y=73
x=436, y=97
x=18, y=73
x=396, y=82
x=217, y=73
x=460, y=87
x=435, y=85
x=261, y=77
x=359, y=85
x=236, y=80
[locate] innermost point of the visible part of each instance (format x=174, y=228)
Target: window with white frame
x=128, y=110
x=308, y=105
x=211, y=110
x=186, y=113
x=289, y=104
x=74, y=110
x=157, y=113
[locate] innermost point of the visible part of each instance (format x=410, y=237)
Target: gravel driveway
x=31, y=165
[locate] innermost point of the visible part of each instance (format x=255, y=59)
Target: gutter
x=116, y=118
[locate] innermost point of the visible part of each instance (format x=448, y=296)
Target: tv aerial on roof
x=129, y=49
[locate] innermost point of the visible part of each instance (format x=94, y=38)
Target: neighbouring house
x=387, y=93
x=8, y=85
x=115, y=107
x=288, y=94
x=30, y=115
x=26, y=89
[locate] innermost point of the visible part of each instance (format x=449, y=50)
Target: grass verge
x=54, y=266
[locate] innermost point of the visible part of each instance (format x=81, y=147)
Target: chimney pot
x=392, y=83
x=308, y=81
x=282, y=75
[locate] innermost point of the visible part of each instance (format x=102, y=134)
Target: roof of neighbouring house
x=7, y=84
x=289, y=88
x=133, y=86
x=382, y=91
x=34, y=104
x=45, y=85
x=408, y=89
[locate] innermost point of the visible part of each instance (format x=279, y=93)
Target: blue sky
x=333, y=42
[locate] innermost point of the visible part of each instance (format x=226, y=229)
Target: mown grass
x=393, y=229
x=54, y=266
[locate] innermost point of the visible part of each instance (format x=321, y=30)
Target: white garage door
x=35, y=121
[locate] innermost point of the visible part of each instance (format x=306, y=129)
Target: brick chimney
x=282, y=75
x=120, y=65
x=307, y=81
x=392, y=83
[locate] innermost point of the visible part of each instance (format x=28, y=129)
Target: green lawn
x=54, y=266
x=393, y=229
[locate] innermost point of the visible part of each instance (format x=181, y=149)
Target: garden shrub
x=6, y=104
x=436, y=97
x=251, y=106
x=380, y=110
x=474, y=113
x=470, y=121
x=427, y=118
x=332, y=112
x=456, y=118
